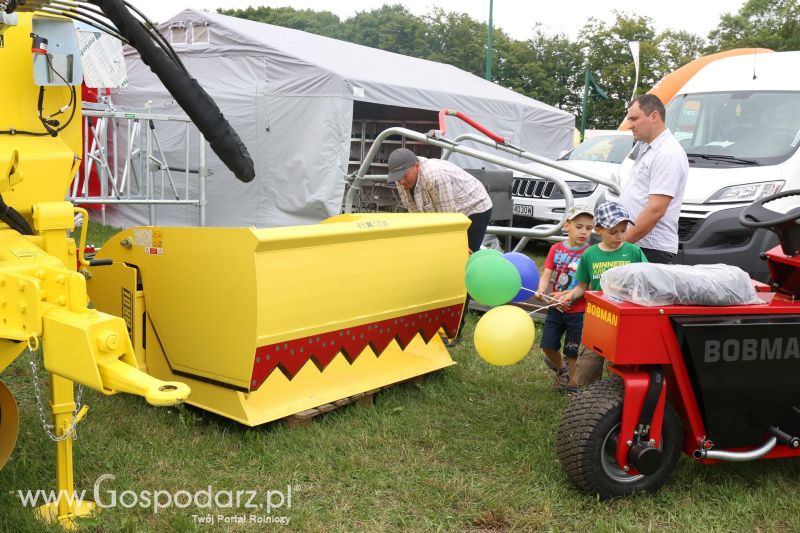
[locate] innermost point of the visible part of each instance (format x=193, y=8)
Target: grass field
x=471, y=448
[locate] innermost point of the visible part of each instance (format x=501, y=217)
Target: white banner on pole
x=634, y=46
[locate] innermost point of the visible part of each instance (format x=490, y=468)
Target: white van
x=739, y=121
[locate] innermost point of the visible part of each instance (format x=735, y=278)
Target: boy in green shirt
x=610, y=222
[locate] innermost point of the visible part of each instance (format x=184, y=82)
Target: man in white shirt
x=654, y=192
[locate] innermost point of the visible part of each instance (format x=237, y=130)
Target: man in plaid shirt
x=438, y=186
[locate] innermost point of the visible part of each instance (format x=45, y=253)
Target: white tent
x=290, y=96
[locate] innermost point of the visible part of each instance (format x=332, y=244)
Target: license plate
x=524, y=210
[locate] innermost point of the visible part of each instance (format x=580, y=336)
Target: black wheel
x=586, y=441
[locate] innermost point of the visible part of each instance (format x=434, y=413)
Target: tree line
x=550, y=68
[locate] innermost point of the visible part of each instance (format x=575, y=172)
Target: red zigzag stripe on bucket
x=290, y=356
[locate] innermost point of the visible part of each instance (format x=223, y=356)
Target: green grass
x=97, y=235
x=469, y=449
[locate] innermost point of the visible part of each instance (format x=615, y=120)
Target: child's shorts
x=568, y=325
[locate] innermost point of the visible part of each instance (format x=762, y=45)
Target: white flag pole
x=634, y=46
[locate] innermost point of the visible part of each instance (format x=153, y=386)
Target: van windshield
x=610, y=148
x=736, y=128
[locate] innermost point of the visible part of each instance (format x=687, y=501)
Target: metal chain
x=72, y=431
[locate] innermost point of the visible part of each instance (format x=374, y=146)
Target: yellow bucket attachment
x=9, y=424
x=265, y=323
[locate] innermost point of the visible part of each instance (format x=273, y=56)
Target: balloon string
x=537, y=293
x=556, y=301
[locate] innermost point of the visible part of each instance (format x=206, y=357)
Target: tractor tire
x=587, y=426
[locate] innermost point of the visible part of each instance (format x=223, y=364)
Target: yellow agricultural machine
x=263, y=323
x=251, y=324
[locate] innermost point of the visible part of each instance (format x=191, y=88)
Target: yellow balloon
x=504, y=335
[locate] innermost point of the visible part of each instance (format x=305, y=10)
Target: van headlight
x=582, y=187
x=746, y=193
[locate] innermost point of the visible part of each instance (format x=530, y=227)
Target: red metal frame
x=632, y=336
x=785, y=271
x=458, y=114
x=637, y=382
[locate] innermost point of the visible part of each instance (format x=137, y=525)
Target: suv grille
x=532, y=188
x=541, y=188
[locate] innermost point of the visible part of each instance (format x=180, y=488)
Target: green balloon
x=485, y=252
x=493, y=280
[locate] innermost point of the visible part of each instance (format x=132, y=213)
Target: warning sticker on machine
x=153, y=250
x=25, y=252
x=143, y=237
x=372, y=224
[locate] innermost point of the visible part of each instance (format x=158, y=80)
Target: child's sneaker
x=561, y=375
x=561, y=380
x=573, y=392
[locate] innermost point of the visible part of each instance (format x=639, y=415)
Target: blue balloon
x=528, y=273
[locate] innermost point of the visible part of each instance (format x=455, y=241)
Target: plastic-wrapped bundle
x=654, y=284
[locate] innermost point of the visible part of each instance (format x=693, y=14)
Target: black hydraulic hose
x=153, y=29
x=80, y=16
x=20, y=222
x=52, y=127
x=23, y=132
x=15, y=221
x=187, y=92
x=82, y=8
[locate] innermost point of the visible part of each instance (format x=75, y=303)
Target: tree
x=608, y=57
x=458, y=40
x=319, y=22
x=390, y=27
x=543, y=68
x=771, y=24
x=675, y=49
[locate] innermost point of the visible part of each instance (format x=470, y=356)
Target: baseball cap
x=576, y=210
x=609, y=214
x=400, y=160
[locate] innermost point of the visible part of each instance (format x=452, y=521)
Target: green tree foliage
x=459, y=40
x=319, y=22
x=390, y=27
x=771, y=24
x=543, y=68
x=675, y=49
x=609, y=58
x=549, y=68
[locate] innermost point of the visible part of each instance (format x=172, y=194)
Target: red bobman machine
x=719, y=383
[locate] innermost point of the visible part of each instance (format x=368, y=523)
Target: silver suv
x=539, y=202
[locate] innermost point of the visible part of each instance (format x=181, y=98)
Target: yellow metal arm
x=94, y=349
x=122, y=377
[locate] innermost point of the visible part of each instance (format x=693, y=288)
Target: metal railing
x=524, y=154
x=139, y=173
x=454, y=146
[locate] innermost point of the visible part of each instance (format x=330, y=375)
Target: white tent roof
x=289, y=94
x=385, y=77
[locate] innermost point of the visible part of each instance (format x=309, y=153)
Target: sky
x=515, y=17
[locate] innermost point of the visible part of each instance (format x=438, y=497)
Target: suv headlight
x=582, y=186
x=746, y=193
